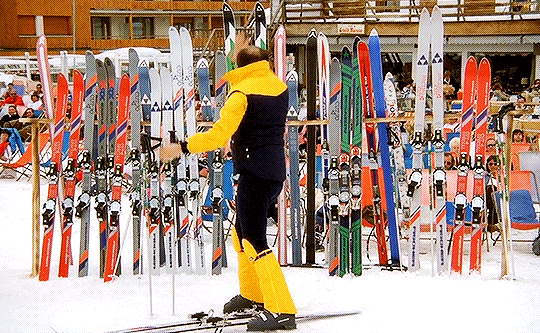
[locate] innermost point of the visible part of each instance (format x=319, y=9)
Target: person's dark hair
x=250, y=54
x=5, y=131
x=34, y=95
x=517, y=130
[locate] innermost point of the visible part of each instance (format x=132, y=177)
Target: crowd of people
x=13, y=107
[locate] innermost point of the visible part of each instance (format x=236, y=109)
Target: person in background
x=25, y=129
x=13, y=98
x=518, y=136
x=450, y=86
x=10, y=116
x=449, y=161
x=498, y=94
x=254, y=118
x=4, y=144
x=9, y=88
x=36, y=103
x=535, y=87
x=454, y=147
x=38, y=91
x=491, y=147
x=492, y=167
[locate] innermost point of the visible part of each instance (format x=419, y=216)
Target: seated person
x=4, y=144
x=6, y=93
x=11, y=116
x=38, y=91
x=25, y=130
x=492, y=167
x=13, y=98
x=36, y=102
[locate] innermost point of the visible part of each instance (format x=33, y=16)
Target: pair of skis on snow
x=203, y=321
x=475, y=89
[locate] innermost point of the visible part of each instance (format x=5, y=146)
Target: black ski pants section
x=254, y=197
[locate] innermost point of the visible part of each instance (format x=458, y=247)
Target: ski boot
x=269, y=321
x=241, y=304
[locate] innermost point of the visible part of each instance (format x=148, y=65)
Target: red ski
x=460, y=201
x=53, y=174
x=69, y=175
x=113, y=241
x=478, y=202
x=367, y=102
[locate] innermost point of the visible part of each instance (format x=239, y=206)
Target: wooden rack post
x=36, y=205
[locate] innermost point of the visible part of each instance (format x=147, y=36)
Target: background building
x=507, y=31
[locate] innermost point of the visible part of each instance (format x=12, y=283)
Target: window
x=101, y=27
x=57, y=25
x=26, y=24
x=143, y=27
x=186, y=22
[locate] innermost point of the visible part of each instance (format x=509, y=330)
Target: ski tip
x=312, y=33
x=292, y=76
x=389, y=76
x=259, y=6
x=226, y=7
x=183, y=30
x=345, y=50
x=202, y=63
x=425, y=11
x=373, y=33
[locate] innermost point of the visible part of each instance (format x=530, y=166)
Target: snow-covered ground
x=389, y=301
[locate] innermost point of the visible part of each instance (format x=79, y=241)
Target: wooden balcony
x=302, y=11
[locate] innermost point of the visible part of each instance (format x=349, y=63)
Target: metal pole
x=74, y=30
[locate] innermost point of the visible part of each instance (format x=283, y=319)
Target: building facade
x=79, y=25
x=507, y=31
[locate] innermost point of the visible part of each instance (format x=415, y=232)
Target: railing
x=299, y=11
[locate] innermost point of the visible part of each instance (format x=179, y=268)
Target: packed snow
x=389, y=301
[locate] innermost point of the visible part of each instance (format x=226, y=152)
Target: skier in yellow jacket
x=253, y=117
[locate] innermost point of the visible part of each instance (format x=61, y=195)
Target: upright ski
x=113, y=239
x=181, y=189
x=439, y=174
x=380, y=108
x=294, y=181
x=344, y=158
x=154, y=211
x=460, y=201
x=413, y=200
x=135, y=158
x=53, y=175
x=281, y=72
x=478, y=202
x=69, y=175
x=260, y=26
x=194, y=184
x=334, y=141
x=356, y=161
x=83, y=207
x=229, y=26
x=101, y=165
x=311, y=80
x=369, y=112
